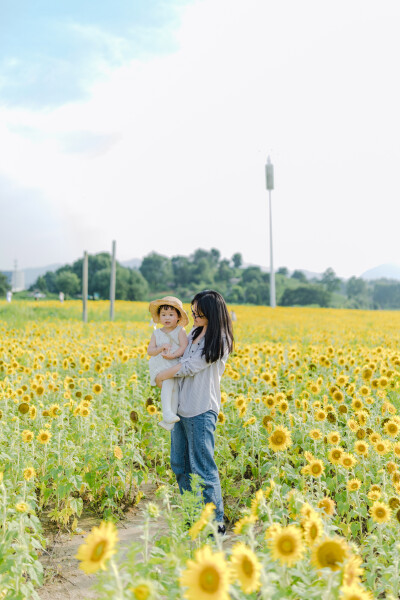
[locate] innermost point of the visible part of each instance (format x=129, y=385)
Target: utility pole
x=85, y=286
x=269, y=175
x=112, y=280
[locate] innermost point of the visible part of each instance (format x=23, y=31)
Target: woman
x=200, y=371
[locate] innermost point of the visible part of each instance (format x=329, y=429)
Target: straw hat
x=170, y=301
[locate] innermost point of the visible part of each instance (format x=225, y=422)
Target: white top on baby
x=159, y=363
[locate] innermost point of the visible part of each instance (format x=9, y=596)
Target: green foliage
x=4, y=286
x=68, y=283
x=183, y=276
x=305, y=295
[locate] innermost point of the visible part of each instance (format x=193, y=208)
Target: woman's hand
x=167, y=355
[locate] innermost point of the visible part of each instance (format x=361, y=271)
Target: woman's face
x=198, y=319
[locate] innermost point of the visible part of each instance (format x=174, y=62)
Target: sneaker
x=222, y=529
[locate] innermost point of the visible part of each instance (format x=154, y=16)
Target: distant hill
x=386, y=271
x=133, y=263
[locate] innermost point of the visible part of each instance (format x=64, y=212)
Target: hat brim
x=170, y=301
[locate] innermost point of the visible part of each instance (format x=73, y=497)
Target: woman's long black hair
x=219, y=333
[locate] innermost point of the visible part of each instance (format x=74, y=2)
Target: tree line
x=183, y=276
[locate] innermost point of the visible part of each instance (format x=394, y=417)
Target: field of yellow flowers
x=308, y=447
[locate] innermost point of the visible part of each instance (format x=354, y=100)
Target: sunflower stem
x=117, y=580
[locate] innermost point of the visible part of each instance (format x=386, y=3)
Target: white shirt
x=199, y=385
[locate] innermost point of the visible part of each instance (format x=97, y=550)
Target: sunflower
x=364, y=390
x=312, y=529
x=361, y=448
x=335, y=456
x=151, y=409
x=330, y=553
x=355, y=592
x=245, y=568
x=394, y=502
x=143, y=590
x=250, y=421
x=97, y=388
x=118, y=452
x=353, y=485
x=352, y=571
x=23, y=408
x=98, y=547
x=44, y=436
x=348, y=460
x=29, y=472
x=316, y=468
x=243, y=523
x=391, y=428
x=380, y=512
x=328, y=506
x=382, y=447
x=286, y=545
x=206, y=577
x=315, y=434
x=338, y=396
x=202, y=521
x=221, y=418
x=333, y=438
x=21, y=507
x=54, y=410
x=27, y=436
x=280, y=439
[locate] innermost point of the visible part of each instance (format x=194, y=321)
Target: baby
x=166, y=345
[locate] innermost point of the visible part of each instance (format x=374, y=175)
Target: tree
x=41, y=284
x=251, y=274
x=304, y=295
x=138, y=287
x=157, y=270
x=330, y=280
x=237, y=260
x=355, y=287
x=4, y=285
x=299, y=275
x=386, y=294
x=68, y=283
x=283, y=271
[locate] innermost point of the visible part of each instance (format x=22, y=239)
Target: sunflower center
x=286, y=546
x=209, y=580
x=278, y=438
x=313, y=531
x=99, y=551
x=380, y=512
x=247, y=567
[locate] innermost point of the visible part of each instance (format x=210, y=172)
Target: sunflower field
x=307, y=444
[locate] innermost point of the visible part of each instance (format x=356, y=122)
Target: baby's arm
x=183, y=342
x=153, y=349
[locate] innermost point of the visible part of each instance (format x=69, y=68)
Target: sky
x=149, y=122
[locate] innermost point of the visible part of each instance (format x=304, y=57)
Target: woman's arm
x=183, y=342
x=167, y=374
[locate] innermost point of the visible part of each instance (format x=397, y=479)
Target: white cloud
x=182, y=139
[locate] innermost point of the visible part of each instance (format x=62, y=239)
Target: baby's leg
x=167, y=394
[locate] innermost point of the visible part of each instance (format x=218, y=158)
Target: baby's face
x=169, y=317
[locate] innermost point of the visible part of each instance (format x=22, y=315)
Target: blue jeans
x=192, y=451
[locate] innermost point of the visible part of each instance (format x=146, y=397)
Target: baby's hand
x=167, y=355
x=165, y=348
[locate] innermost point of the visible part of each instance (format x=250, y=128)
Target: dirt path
x=64, y=580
